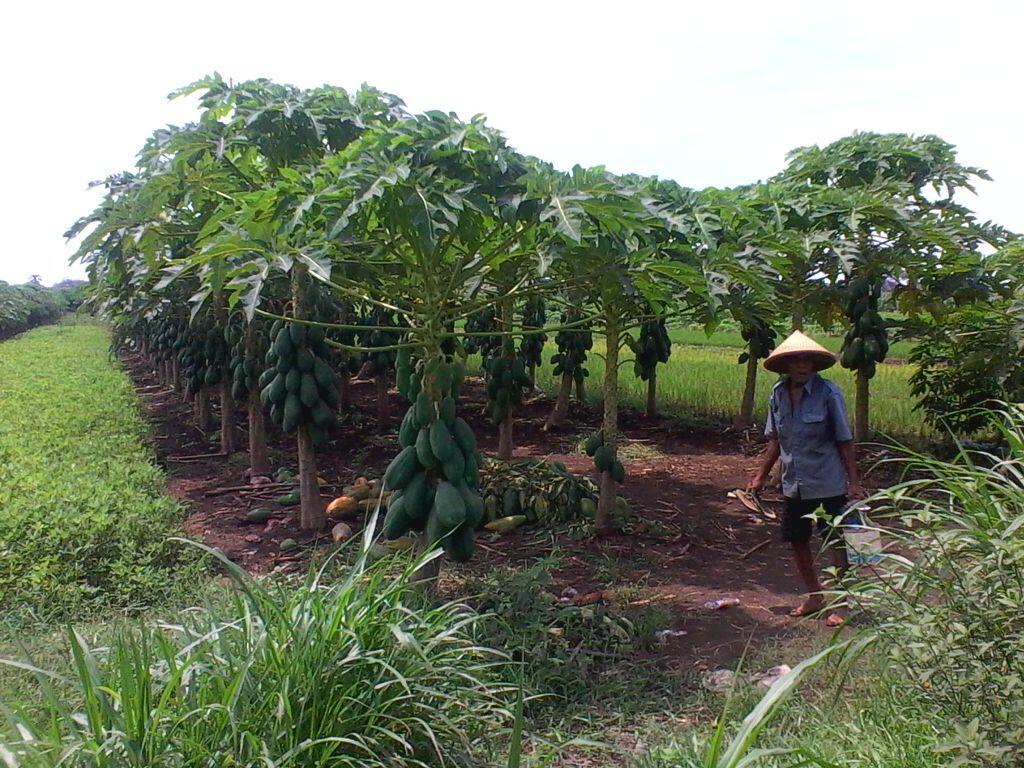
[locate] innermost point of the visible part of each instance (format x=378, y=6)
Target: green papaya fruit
x=407, y=431
x=304, y=360
x=441, y=443
x=293, y=381
x=321, y=415
x=449, y=505
x=396, y=523
x=401, y=469
x=447, y=410
x=297, y=334
x=424, y=454
x=415, y=496
x=464, y=436
x=474, y=506
x=323, y=373
x=454, y=468
x=283, y=345
x=424, y=410
x=292, y=412
x=458, y=545
x=309, y=392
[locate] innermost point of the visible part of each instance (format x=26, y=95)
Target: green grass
x=85, y=521
x=870, y=719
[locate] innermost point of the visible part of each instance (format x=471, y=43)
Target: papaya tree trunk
x=505, y=444
x=228, y=435
x=259, y=459
x=425, y=577
x=558, y=413
x=581, y=390
x=652, y=396
x=508, y=351
x=861, y=428
x=175, y=374
x=312, y=515
x=746, y=417
x=204, y=418
x=797, y=309
x=381, y=381
x=610, y=424
x=311, y=507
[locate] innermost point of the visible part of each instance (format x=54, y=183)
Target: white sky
x=705, y=95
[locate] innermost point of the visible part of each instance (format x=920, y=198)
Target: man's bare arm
x=768, y=459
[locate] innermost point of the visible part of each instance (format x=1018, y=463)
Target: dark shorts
x=796, y=526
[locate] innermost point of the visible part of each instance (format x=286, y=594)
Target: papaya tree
x=626, y=249
x=431, y=208
x=892, y=200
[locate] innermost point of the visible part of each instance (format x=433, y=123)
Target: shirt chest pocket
x=814, y=416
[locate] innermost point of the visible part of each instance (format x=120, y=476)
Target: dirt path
x=689, y=543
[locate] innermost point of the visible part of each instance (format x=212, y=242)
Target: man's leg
x=804, y=559
x=796, y=530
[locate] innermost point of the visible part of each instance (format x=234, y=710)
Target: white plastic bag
x=863, y=541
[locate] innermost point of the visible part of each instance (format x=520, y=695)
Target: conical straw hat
x=799, y=344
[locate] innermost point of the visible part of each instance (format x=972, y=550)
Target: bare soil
x=686, y=542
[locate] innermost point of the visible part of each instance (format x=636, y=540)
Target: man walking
x=807, y=427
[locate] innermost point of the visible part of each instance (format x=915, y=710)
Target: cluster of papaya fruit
x=653, y=347
x=244, y=368
x=298, y=385
x=604, y=456
x=531, y=348
x=573, y=345
x=380, y=361
x=760, y=338
x=866, y=343
x=506, y=380
x=166, y=337
x=483, y=322
x=433, y=479
x=202, y=357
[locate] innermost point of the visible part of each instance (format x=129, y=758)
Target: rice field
x=704, y=382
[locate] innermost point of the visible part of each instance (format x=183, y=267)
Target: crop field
x=313, y=486
x=85, y=520
x=704, y=383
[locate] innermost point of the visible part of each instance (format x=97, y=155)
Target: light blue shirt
x=808, y=438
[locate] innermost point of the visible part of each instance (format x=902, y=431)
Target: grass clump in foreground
x=362, y=671
x=84, y=520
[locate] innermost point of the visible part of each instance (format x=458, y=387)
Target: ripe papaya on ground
x=506, y=524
